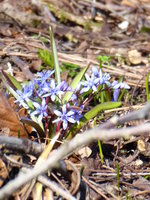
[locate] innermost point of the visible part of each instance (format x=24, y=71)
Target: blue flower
x=41, y=110
x=77, y=112
x=73, y=97
x=50, y=89
x=116, y=94
x=121, y=85
x=64, y=87
x=44, y=75
x=25, y=93
x=117, y=86
x=90, y=83
x=64, y=116
x=103, y=79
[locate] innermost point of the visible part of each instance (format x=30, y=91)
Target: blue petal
x=87, y=77
x=85, y=89
x=58, y=113
x=65, y=124
x=70, y=119
x=64, y=109
x=70, y=113
x=116, y=94
x=57, y=120
x=53, y=97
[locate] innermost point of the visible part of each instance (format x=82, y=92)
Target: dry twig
x=78, y=141
x=21, y=145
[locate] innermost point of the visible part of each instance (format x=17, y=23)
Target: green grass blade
x=118, y=175
x=14, y=82
x=100, y=151
x=147, y=87
x=90, y=114
x=74, y=84
x=55, y=57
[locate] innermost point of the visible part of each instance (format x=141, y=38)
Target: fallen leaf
x=3, y=172
x=9, y=118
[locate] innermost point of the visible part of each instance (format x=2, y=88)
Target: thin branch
x=143, y=113
x=21, y=145
x=53, y=186
x=78, y=141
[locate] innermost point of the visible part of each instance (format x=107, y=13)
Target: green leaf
x=11, y=80
x=30, y=104
x=72, y=69
x=100, y=152
x=104, y=58
x=145, y=29
x=74, y=84
x=14, y=82
x=118, y=175
x=55, y=57
x=91, y=114
x=103, y=106
x=147, y=87
x=71, y=66
x=46, y=57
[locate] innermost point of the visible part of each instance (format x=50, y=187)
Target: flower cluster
x=39, y=94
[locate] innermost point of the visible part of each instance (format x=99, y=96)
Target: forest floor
x=85, y=32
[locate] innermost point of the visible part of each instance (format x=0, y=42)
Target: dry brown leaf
x=3, y=172
x=9, y=118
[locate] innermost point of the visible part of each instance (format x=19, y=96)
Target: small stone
x=138, y=162
x=134, y=57
x=85, y=152
x=123, y=25
x=141, y=145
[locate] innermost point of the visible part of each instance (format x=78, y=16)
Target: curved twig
x=78, y=141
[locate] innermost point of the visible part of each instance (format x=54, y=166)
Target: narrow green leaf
x=147, y=87
x=118, y=175
x=121, y=95
x=100, y=151
x=55, y=57
x=11, y=81
x=100, y=107
x=30, y=104
x=14, y=82
x=90, y=114
x=74, y=84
